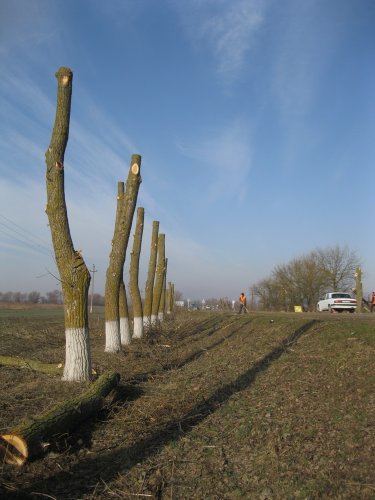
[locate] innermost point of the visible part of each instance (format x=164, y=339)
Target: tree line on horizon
x=305, y=279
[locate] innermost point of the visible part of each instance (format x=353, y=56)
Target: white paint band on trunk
x=138, y=327
x=112, y=336
x=125, y=331
x=77, y=355
x=161, y=316
x=146, y=321
x=154, y=320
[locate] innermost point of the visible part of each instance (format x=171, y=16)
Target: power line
x=27, y=238
x=24, y=229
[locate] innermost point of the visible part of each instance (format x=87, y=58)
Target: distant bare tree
x=54, y=297
x=98, y=299
x=304, y=279
x=7, y=297
x=339, y=266
x=19, y=297
x=33, y=297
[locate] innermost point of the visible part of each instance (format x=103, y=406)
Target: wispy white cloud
x=306, y=43
x=227, y=158
x=226, y=28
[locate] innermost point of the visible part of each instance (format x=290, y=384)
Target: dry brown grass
x=212, y=406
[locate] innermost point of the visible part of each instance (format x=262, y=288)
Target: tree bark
x=74, y=275
x=162, y=304
x=124, y=218
x=28, y=439
x=134, y=275
x=125, y=334
x=159, y=280
x=359, y=289
x=168, y=299
x=48, y=368
x=147, y=306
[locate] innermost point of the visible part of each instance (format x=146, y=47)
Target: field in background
x=213, y=406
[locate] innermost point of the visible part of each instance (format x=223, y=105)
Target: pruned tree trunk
x=168, y=299
x=125, y=333
x=163, y=294
x=126, y=203
x=172, y=297
x=147, y=306
x=29, y=438
x=74, y=275
x=134, y=275
x=359, y=289
x=159, y=280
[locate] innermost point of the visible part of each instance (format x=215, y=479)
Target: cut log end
x=135, y=169
x=13, y=449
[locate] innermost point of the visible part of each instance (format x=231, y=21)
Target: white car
x=337, y=302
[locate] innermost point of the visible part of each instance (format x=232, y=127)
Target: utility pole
x=92, y=271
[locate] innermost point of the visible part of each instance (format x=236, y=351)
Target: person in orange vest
x=372, y=301
x=242, y=300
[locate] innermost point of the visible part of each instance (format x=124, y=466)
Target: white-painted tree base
x=112, y=336
x=125, y=331
x=138, y=327
x=77, y=355
x=161, y=317
x=154, y=320
x=146, y=322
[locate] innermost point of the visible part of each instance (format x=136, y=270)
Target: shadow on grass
x=172, y=365
x=108, y=465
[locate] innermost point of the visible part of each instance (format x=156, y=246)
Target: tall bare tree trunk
x=151, y=275
x=159, y=280
x=74, y=275
x=134, y=275
x=125, y=334
x=124, y=217
x=170, y=297
x=162, y=304
x=358, y=276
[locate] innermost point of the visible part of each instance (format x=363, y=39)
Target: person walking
x=372, y=301
x=242, y=300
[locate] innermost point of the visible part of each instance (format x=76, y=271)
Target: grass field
x=213, y=406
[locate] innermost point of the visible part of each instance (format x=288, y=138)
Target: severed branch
x=28, y=439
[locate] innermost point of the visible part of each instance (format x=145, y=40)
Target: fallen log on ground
x=30, y=437
x=49, y=368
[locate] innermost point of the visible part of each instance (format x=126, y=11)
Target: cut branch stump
x=28, y=439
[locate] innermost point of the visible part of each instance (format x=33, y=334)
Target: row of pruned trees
x=74, y=274
x=304, y=279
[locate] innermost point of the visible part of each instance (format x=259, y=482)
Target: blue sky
x=255, y=120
